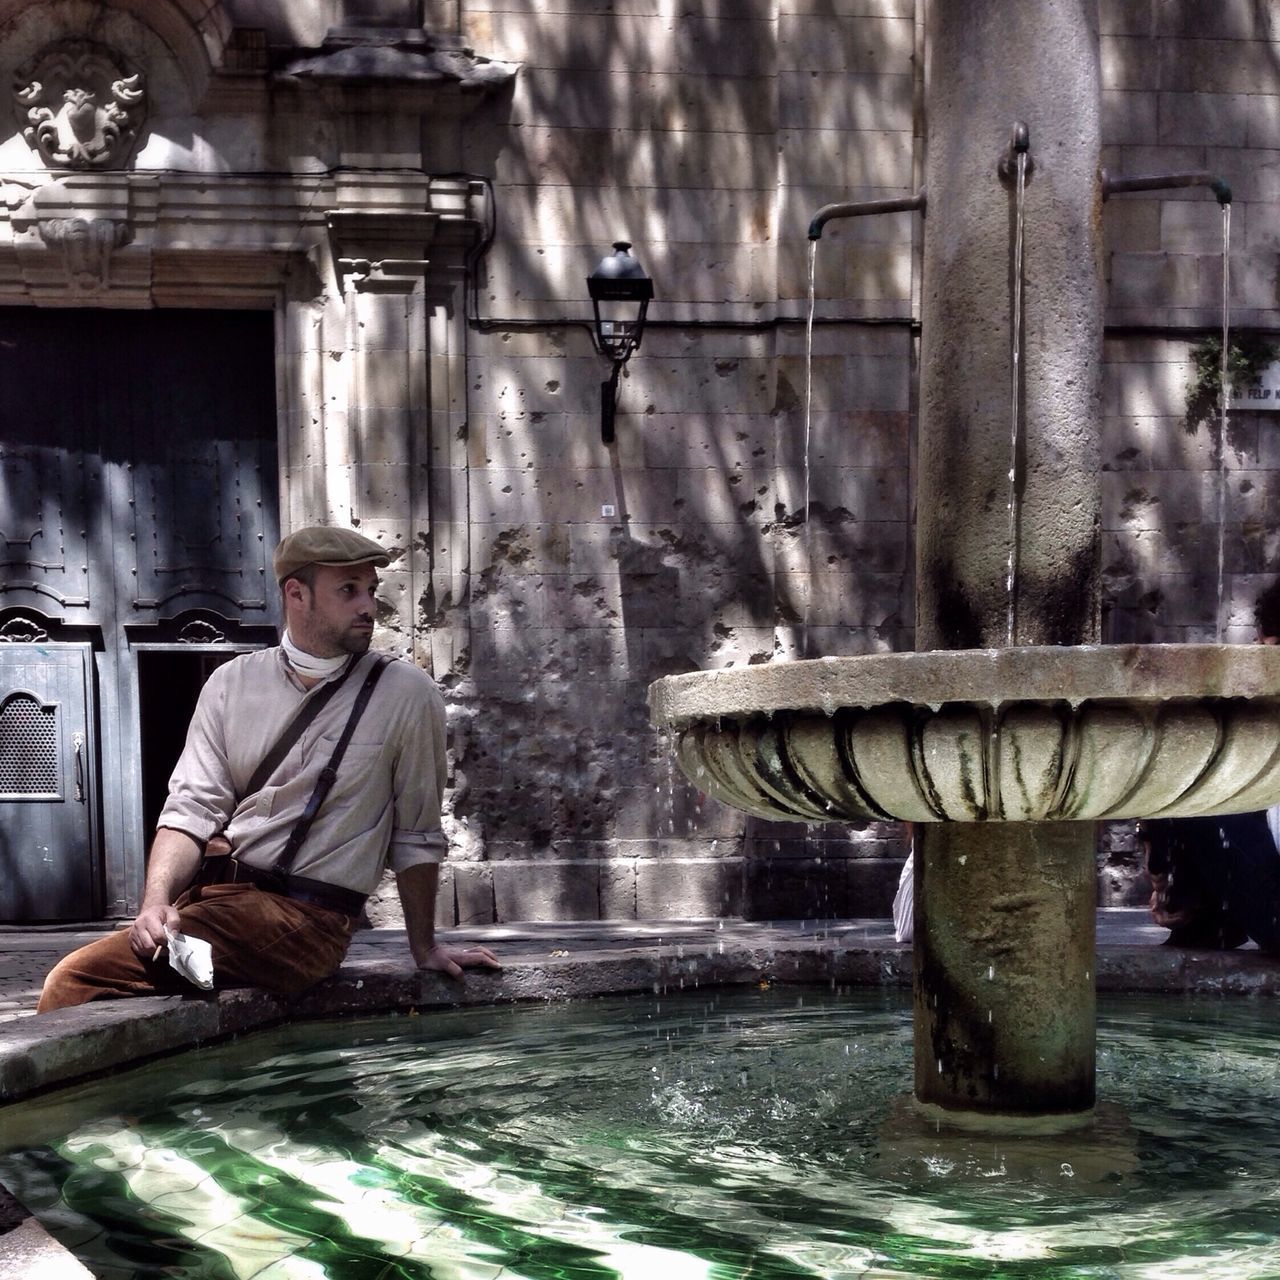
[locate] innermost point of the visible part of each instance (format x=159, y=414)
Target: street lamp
x=620, y=293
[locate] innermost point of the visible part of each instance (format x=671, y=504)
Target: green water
x=733, y=1135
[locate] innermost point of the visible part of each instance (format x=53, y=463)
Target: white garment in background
x=1273, y=824
x=904, y=899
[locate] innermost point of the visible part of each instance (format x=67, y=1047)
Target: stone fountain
x=1011, y=730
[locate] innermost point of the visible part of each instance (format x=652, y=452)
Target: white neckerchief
x=307, y=664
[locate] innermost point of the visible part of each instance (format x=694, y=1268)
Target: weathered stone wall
x=708, y=136
x=1186, y=87
x=708, y=139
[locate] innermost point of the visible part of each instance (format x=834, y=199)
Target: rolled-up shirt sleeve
x=201, y=791
x=419, y=782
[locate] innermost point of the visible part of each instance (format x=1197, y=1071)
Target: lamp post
x=620, y=293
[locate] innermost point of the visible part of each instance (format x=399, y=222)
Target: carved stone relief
x=78, y=106
x=86, y=245
x=21, y=629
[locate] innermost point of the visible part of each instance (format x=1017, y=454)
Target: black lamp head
x=620, y=284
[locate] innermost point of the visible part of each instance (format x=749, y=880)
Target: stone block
x=879, y=273
x=881, y=158
x=473, y=893
x=675, y=889
x=895, y=634
x=1125, y=17
x=1217, y=66
x=1262, y=225
x=1131, y=224
x=546, y=890
x=1235, y=20
x=853, y=599
x=729, y=442
x=1156, y=388
x=521, y=549
x=1195, y=227
x=872, y=882
x=618, y=889
x=867, y=494
x=669, y=806
x=846, y=104
x=1152, y=279
x=835, y=542
x=795, y=889
x=1154, y=443
x=829, y=43
x=1156, y=500
x=1203, y=119
x=1255, y=282
x=1263, y=126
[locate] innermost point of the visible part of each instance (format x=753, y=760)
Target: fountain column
x=1005, y=912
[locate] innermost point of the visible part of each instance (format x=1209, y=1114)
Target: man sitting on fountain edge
x=273, y=920
x=1216, y=881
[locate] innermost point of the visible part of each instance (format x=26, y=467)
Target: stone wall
x=1186, y=87
x=708, y=136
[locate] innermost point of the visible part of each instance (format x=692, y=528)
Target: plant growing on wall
x=1247, y=356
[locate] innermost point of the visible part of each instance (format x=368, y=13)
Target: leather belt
x=300, y=888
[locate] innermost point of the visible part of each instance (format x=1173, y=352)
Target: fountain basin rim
x=1131, y=673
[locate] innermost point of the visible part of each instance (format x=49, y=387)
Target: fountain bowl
x=1031, y=734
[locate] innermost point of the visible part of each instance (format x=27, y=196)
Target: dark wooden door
x=138, y=506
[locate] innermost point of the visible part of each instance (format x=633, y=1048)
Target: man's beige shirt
x=384, y=809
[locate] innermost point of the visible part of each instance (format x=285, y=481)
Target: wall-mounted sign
x=1261, y=394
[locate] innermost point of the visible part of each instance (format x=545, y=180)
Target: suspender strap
x=294, y=730
x=329, y=774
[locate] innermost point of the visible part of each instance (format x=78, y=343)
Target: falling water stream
x=1224, y=390
x=1015, y=398
x=728, y=1135
x=807, y=541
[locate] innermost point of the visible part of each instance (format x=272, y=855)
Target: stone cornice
x=404, y=59
x=134, y=239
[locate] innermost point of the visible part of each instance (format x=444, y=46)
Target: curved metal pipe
x=1220, y=187
x=862, y=209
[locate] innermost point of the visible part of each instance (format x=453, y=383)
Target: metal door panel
x=47, y=794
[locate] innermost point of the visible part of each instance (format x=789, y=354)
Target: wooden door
x=47, y=795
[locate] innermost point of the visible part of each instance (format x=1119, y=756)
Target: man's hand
x=175, y=856
x=1160, y=912
x=147, y=931
x=452, y=960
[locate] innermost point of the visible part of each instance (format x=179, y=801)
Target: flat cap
x=321, y=545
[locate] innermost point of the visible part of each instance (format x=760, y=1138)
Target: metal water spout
x=1114, y=185
x=863, y=209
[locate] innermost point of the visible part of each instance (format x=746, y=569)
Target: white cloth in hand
x=904, y=900
x=190, y=957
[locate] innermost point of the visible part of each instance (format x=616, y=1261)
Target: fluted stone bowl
x=985, y=735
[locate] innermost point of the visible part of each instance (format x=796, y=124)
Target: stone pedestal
x=1004, y=967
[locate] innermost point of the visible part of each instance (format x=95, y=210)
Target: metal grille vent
x=28, y=747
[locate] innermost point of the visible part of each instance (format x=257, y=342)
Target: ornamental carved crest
x=78, y=107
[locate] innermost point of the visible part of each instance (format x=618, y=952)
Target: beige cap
x=321, y=545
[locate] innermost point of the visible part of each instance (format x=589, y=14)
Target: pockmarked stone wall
x=707, y=137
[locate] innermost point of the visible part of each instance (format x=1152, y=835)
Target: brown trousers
x=259, y=939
